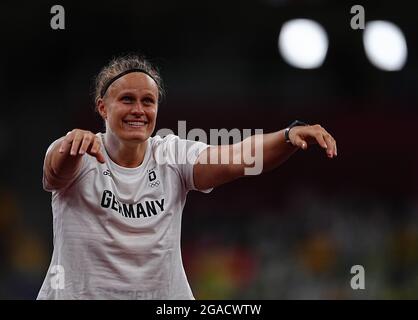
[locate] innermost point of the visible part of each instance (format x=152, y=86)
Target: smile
x=136, y=123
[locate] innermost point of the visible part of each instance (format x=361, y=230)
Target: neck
x=125, y=154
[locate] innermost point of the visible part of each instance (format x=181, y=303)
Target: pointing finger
x=85, y=144
x=76, y=144
x=95, y=150
x=321, y=141
x=66, y=143
x=330, y=145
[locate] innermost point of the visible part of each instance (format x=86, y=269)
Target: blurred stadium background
x=293, y=233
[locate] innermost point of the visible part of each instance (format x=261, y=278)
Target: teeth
x=135, y=123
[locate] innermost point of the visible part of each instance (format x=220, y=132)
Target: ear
x=101, y=108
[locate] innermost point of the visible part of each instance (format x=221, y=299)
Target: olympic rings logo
x=154, y=184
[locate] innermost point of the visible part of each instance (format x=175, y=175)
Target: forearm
x=276, y=150
x=257, y=154
x=267, y=151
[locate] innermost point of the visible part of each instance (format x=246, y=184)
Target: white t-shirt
x=117, y=230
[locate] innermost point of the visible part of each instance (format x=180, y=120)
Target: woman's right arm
x=63, y=161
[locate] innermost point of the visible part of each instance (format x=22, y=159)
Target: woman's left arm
x=217, y=165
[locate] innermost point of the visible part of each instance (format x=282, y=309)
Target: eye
x=127, y=99
x=148, y=101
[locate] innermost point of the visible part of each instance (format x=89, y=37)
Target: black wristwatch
x=293, y=124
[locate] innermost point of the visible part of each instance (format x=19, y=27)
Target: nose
x=137, y=109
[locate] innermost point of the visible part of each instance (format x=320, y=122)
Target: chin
x=137, y=137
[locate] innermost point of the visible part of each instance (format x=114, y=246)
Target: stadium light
x=385, y=45
x=303, y=43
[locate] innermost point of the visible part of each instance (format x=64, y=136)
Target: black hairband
x=110, y=81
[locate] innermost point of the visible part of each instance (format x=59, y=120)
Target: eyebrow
x=133, y=91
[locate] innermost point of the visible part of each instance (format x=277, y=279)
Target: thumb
x=99, y=156
x=299, y=142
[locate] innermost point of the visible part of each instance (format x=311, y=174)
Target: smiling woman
x=117, y=219
x=117, y=212
x=129, y=109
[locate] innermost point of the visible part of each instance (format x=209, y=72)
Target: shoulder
x=158, y=140
x=174, y=150
x=168, y=142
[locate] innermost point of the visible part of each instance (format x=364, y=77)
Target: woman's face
x=130, y=107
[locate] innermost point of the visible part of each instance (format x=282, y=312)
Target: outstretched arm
x=221, y=164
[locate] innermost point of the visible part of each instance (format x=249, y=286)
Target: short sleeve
x=183, y=154
x=45, y=183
